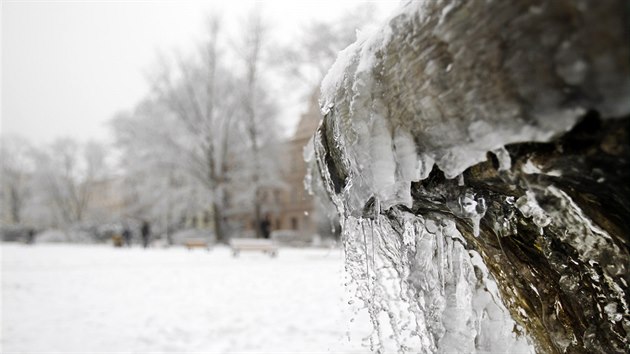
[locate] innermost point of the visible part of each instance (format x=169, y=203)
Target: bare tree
x=163, y=168
x=65, y=177
x=16, y=167
x=310, y=58
x=207, y=127
x=199, y=93
x=259, y=124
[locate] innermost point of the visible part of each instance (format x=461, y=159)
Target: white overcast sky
x=68, y=67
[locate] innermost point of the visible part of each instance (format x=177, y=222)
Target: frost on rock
x=470, y=149
x=423, y=290
x=529, y=207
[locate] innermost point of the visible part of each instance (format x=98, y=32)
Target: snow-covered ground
x=86, y=298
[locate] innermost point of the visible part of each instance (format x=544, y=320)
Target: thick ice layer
x=438, y=85
x=447, y=84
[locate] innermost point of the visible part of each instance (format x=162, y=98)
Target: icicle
x=420, y=287
x=505, y=162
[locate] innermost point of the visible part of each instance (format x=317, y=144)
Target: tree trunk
x=218, y=222
x=510, y=120
x=258, y=214
x=15, y=204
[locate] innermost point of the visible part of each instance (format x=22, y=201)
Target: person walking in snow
x=126, y=234
x=265, y=227
x=30, y=236
x=145, y=231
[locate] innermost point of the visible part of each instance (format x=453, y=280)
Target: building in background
x=290, y=208
x=296, y=208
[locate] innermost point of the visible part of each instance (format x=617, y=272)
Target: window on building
x=278, y=224
x=294, y=223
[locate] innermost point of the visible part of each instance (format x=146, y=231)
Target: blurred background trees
x=53, y=185
x=15, y=166
x=204, y=148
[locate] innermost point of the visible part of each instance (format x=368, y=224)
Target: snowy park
x=338, y=176
x=98, y=299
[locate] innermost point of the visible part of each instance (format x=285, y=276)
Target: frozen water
x=528, y=205
x=423, y=290
x=393, y=129
x=434, y=90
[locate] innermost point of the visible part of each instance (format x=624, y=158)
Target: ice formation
x=417, y=115
x=423, y=290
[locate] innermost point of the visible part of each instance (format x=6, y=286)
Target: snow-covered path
x=71, y=298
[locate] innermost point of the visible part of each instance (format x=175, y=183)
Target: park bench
x=117, y=240
x=196, y=243
x=253, y=244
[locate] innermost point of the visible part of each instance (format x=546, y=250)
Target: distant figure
x=126, y=234
x=145, y=231
x=117, y=240
x=265, y=227
x=30, y=237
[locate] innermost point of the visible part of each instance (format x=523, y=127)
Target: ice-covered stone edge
x=433, y=87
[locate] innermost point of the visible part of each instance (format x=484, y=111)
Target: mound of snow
x=180, y=237
x=52, y=236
